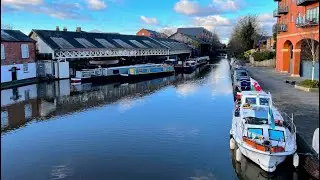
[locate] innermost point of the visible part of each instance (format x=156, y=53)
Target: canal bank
x=303, y=105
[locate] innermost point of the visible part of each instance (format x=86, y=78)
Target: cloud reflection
x=128, y=103
x=186, y=89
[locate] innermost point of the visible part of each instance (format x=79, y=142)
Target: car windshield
x=264, y=101
x=251, y=101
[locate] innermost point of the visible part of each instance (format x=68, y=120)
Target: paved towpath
x=303, y=105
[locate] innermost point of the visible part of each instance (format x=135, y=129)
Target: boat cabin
x=190, y=63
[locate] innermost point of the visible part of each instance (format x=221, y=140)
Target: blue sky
x=128, y=16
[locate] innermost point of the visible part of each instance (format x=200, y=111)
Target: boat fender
x=295, y=160
x=238, y=155
x=232, y=144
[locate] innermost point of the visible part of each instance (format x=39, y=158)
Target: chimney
x=57, y=28
x=78, y=29
x=64, y=28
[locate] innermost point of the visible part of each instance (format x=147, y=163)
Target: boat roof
x=173, y=60
x=254, y=93
x=191, y=61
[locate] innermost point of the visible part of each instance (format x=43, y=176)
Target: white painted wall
x=43, y=47
x=7, y=94
x=6, y=75
x=62, y=69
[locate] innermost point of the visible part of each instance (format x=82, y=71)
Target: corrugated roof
x=194, y=31
x=70, y=40
x=14, y=36
x=117, y=40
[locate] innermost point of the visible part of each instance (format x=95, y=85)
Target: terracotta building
x=150, y=33
x=297, y=21
x=17, y=56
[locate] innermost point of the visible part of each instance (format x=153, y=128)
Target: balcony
x=305, y=2
x=282, y=27
x=275, y=13
x=280, y=10
x=303, y=22
x=283, y=9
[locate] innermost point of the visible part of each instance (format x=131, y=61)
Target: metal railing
x=283, y=9
x=282, y=27
x=305, y=2
x=304, y=21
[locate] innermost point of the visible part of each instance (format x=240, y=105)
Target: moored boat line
x=259, y=131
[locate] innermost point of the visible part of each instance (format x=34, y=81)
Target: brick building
x=150, y=33
x=17, y=56
x=297, y=22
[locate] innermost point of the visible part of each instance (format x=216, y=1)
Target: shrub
x=263, y=55
x=309, y=83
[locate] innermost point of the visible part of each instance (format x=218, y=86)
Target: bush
x=309, y=83
x=263, y=55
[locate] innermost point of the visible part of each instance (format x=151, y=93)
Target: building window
x=313, y=14
x=24, y=51
x=3, y=55
x=142, y=34
x=25, y=68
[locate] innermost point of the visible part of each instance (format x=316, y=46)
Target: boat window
x=251, y=101
x=116, y=71
x=276, y=135
x=254, y=133
x=264, y=101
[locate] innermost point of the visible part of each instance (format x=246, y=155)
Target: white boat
x=261, y=133
x=202, y=60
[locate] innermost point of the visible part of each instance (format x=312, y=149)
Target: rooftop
x=14, y=36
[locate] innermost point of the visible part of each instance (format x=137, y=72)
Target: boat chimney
x=78, y=29
x=65, y=29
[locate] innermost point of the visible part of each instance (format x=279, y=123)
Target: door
x=14, y=74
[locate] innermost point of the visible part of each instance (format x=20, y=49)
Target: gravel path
x=303, y=105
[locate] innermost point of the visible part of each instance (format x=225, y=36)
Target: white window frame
x=3, y=52
x=25, y=49
x=25, y=68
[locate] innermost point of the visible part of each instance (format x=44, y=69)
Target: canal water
x=176, y=127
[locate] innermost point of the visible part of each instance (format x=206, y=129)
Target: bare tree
x=310, y=48
x=6, y=26
x=167, y=31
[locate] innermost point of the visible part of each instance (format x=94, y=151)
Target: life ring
x=246, y=106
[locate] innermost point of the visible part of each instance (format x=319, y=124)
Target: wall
x=306, y=69
x=43, y=47
x=6, y=75
x=265, y=63
x=13, y=53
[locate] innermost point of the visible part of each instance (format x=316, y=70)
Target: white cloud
x=216, y=7
x=226, y=5
x=267, y=21
x=187, y=7
x=147, y=20
x=96, y=4
x=21, y=2
x=209, y=22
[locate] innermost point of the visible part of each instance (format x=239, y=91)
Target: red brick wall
x=146, y=33
x=13, y=53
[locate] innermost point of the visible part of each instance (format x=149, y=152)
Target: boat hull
x=121, y=78
x=267, y=162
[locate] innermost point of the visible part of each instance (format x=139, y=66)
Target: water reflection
x=46, y=100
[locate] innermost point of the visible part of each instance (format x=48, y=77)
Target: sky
x=128, y=16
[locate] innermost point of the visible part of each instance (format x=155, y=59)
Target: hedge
x=263, y=55
x=309, y=83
